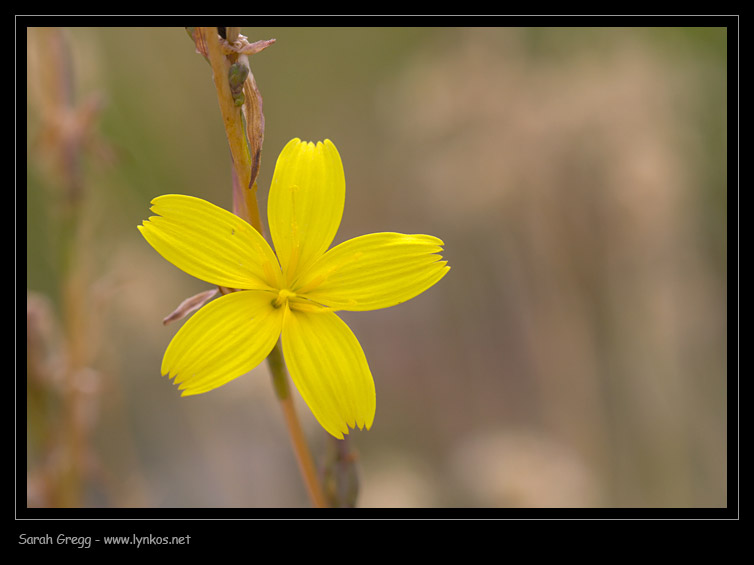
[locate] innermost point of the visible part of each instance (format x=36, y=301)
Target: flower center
x=282, y=298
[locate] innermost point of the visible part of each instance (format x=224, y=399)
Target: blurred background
x=575, y=354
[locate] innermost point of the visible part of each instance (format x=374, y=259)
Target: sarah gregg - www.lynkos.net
x=85, y=542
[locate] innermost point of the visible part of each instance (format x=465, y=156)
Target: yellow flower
x=291, y=295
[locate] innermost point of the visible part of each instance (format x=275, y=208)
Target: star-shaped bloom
x=291, y=293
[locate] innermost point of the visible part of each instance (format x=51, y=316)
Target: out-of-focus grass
x=575, y=355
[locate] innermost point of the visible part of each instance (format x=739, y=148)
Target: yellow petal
x=305, y=203
x=374, y=271
x=210, y=243
x=329, y=369
x=225, y=339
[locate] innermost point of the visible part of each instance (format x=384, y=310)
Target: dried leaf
x=190, y=305
x=241, y=46
x=252, y=110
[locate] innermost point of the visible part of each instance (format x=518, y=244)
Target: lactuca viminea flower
x=292, y=293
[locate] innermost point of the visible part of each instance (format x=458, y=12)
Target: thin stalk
x=234, y=124
x=300, y=447
x=243, y=175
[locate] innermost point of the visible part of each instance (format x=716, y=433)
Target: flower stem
x=234, y=127
x=245, y=163
x=300, y=447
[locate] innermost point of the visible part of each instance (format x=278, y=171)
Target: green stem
x=298, y=440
